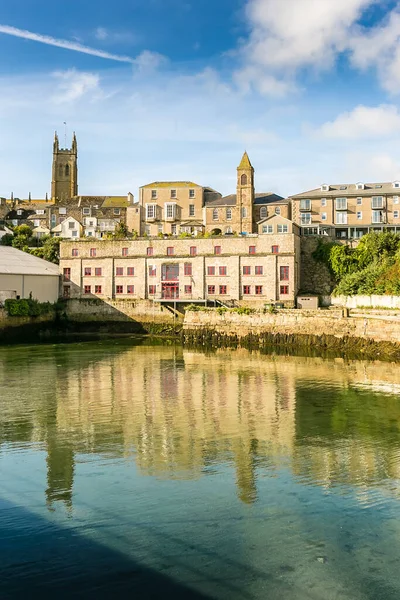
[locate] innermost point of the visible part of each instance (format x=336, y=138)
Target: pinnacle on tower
x=245, y=162
x=56, y=145
x=74, y=143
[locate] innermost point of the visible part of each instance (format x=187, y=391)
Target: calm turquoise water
x=145, y=471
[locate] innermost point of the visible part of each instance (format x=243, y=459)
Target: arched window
x=228, y=229
x=215, y=214
x=243, y=180
x=228, y=214
x=277, y=210
x=67, y=170
x=263, y=212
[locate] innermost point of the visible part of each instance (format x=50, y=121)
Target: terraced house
x=257, y=269
x=347, y=211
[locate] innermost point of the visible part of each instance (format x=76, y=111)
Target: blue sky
x=178, y=89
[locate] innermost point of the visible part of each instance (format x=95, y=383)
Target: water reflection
x=183, y=415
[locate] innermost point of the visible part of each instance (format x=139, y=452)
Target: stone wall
x=296, y=322
x=315, y=276
x=142, y=311
x=375, y=301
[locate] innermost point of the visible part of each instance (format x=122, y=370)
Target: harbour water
x=151, y=471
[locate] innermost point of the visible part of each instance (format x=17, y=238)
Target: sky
x=178, y=89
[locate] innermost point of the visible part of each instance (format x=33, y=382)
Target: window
x=222, y=271
x=244, y=212
x=359, y=201
x=377, y=202
x=187, y=269
x=259, y=290
x=324, y=216
x=66, y=291
x=193, y=250
x=88, y=271
x=305, y=204
x=153, y=194
x=360, y=186
x=325, y=187
x=119, y=271
x=87, y=289
x=39, y=212
x=75, y=252
x=71, y=225
x=97, y=289
x=284, y=273
x=305, y=219
x=173, y=193
x=149, y=251
x=396, y=214
x=243, y=180
x=341, y=218
x=119, y=289
x=61, y=211
x=124, y=251
x=188, y=289
x=53, y=220
x=217, y=249
x=228, y=229
x=192, y=193
x=191, y=210
x=263, y=212
x=211, y=290
x=152, y=271
x=259, y=270
x=86, y=210
x=268, y=229
x=159, y=228
x=74, y=233
x=341, y=203
x=246, y=290
x=222, y=289
x=246, y=270
x=130, y=271
x=36, y=222
x=283, y=228
x=92, y=252
x=284, y=289
x=323, y=201
x=151, y=210
x=377, y=216
x=396, y=184
x=215, y=214
x=98, y=271
x=252, y=249
x=277, y=210
x=67, y=273
x=170, y=251
x=173, y=229
x=152, y=290
x=170, y=211
x=395, y=199
x=210, y=270
x=379, y=186
x=275, y=249
x=228, y=214
x=19, y=212
x=130, y=289
x=359, y=215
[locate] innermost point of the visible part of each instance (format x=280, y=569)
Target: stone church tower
x=64, y=184
x=245, y=194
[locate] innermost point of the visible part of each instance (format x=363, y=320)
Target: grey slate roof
x=16, y=262
x=261, y=198
x=350, y=189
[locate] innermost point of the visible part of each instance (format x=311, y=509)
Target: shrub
x=27, y=307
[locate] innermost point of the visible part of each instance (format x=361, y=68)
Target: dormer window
x=396, y=184
x=343, y=187
x=359, y=186
x=325, y=187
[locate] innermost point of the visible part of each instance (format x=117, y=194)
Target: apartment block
x=255, y=269
x=348, y=210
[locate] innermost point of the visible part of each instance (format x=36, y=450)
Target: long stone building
x=258, y=269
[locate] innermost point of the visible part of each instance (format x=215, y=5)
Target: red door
x=170, y=291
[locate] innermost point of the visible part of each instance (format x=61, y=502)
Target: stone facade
x=64, y=183
x=255, y=269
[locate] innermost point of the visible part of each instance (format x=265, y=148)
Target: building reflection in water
x=181, y=414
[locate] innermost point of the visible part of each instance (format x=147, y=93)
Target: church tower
x=64, y=183
x=245, y=194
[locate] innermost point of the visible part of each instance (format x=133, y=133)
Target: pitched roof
x=245, y=162
x=350, y=189
x=261, y=198
x=172, y=184
x=16, y=262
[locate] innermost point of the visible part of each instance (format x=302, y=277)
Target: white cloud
x=149, y=61
x=74, y=84
x=101, y=33
x=364, y=122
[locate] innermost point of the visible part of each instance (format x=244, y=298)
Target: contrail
x=50, y=41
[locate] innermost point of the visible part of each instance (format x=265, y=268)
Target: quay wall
x=374, y=301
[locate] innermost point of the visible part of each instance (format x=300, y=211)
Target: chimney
x=130, y=198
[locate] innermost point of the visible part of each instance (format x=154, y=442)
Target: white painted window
x=263, y=212
x=215, y=214
x=173, y=193
x=62, y=211
x=277, y=210
x=170, y=210
x=153, y=194
x=283, y=229
x=71, y=225
x=40, y=212
x=75, y=234
x=268, y=229
x=359, y=201
x=396, y=184
x=305, y=204
x=191, y=193
x=395, y=199
x=359, y=215
x=377, y=202
x=173, y=229
x=19, y=212
x=323, y=201
x=341, y=203
x=191, y=210
x=396, y=214
x=324, y=216
x=147, y=230
x=305, y=219
x=160, y=228
x=86, y=210
x=341, y=218
x=325, y=187
x=151, y=211
x=117, y=211
x=228, y=214
x=377, y=216
x=36, y=222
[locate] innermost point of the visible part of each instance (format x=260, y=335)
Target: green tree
x=7, y=239
x=50, y=250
